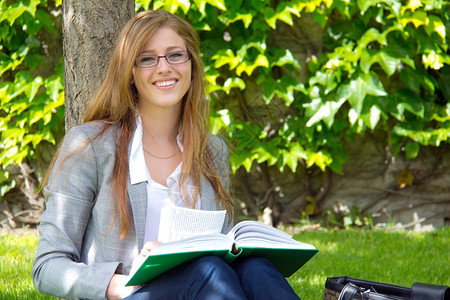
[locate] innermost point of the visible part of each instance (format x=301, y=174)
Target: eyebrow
x=168, y=50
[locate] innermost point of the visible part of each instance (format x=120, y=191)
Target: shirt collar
x=138, y=170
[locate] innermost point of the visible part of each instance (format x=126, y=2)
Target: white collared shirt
x=158, y=195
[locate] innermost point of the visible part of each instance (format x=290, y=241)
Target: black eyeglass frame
x=158, y=57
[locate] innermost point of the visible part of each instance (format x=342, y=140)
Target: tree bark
x=90, y=29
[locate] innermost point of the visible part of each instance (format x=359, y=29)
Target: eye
x=147, y=59
x=175, y=54
x=177, y=57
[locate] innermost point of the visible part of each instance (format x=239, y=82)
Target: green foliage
x=391, y=71
x=31, y=108
x=384, y=66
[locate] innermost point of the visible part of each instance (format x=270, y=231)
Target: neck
x=160, y=125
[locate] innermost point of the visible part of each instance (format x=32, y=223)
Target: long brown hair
x=116, y=104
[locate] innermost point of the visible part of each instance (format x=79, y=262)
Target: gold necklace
x=158, y=157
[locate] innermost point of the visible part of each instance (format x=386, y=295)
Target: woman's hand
x=147, y=248
x=117, y=289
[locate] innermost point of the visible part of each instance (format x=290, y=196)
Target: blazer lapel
x=138, y=199
x=137, y=193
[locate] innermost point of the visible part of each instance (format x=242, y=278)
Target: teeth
x=165, y=83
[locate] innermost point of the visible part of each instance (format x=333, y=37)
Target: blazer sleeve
x=70, y=195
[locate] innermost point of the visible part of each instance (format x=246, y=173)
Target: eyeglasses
x=173, y=58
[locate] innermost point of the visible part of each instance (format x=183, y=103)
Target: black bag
x=346, y=288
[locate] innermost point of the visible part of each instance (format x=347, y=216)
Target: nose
x=163, y=65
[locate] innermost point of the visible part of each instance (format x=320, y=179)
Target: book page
x=178, y=223
x=254, y=234
x=247, y=227
x=201, y=242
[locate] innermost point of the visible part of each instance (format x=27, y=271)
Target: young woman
x=145, y=141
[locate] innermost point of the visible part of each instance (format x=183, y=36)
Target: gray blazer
x=80, y=247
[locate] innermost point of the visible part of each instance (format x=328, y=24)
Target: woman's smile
x=165, y=83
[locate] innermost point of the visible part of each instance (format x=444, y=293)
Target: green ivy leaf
x=283, y=13
x=248, y=67
x=320, y=159
x=44, y=19
x=320, y=17
x=418, y=18
x=246, y=18
x=233, y=82
x=372, y=118
x=326, y=79
x=326, y=112
x=411, y=79
x=435, y=60
x=428, y=137
x=411, y=102
x=13, y=12
x=435, y=24
x=172, y=5
x=287, y=59
x=365, y=84
x=36, y=113
x=220, y=119
x=16, y=107
x=32, y=88
x=211, y=81
x=412, y=150
x=388, y=63
x=268, y=85
x=13, y=155
x=4, y=91
x=285, y=88
x=225, y=57
x=270, y=17
x=54, y=85
x=267, y=151
x=144, y=4
x=5, y=183
x=220, y=4
x=292, y=157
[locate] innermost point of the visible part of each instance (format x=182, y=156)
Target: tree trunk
x=90, y=29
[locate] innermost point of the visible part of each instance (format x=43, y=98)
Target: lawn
x=400, y=258
x=394, y=257
x=16, y=258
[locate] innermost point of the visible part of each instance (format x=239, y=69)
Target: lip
x=166, y=83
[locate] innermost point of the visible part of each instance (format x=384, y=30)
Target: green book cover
x=287, y=261
x=245, y=239
x=155, y=265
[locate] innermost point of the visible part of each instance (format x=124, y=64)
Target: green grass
x=392, y=257
x=400, y=258
x=16, y=258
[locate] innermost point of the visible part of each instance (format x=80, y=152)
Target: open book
x=245, y=239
